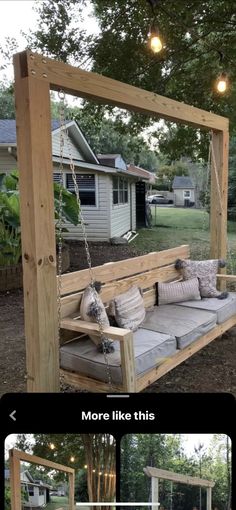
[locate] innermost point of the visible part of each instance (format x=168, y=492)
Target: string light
x=222, y=83
x=85, y=466
x=72, y=459
x=154, y=39
x=94, y=470
x=52, y=446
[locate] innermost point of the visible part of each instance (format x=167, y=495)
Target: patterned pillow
x=92, y=309
x=129, y=309
x=176, y=292
x=205, y=271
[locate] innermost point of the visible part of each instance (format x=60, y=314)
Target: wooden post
x=155, y=492
x=33, y=123
x=15, y=481
x=71, y=503
x=219, y=194
x=208, y=505
x=128, y=363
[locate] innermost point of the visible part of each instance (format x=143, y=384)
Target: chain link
x=64, y=137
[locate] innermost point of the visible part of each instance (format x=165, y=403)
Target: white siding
x=96, y=218
x=179, y=196
x=7, y=161
x=120, y=216
x=75, y=153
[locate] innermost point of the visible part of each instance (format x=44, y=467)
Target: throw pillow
x=129, y=309
x=92, y=309
x=176, y=292
x=205, y=271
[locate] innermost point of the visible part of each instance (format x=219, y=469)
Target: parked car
x=159, y=199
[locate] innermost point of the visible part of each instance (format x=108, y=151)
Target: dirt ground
x=210, y=370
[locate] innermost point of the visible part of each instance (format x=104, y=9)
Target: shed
x=184, y=191
x=107, y=186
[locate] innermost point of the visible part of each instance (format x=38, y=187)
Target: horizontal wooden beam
x=93, y=328
x=78, y=280
x=108, y=91
x=177, y=477
x=33, y=459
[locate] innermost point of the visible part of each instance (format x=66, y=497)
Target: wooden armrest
x=228, y=277
x=93, y=328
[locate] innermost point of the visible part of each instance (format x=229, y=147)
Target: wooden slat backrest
x=144, y=279
x=78, y=280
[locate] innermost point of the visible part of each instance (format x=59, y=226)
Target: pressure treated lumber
x=16, y=456
x=219, y=194
x=34, y=156
x=78, y=280
x=177, y=477
x=106, y=90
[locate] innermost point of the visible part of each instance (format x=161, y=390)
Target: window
x=57, y=178
x=86, y=185
x=120, y=190
x=187, y=194
x=30, y=490
x=41, y=492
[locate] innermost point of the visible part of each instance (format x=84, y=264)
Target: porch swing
x=142, y=356
x=160, y=345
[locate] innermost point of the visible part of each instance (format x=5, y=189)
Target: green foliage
x=10, y=236
x=167, y=452
x=166, y=173
x=7, y=498
x=7, y=107
x=194, y=35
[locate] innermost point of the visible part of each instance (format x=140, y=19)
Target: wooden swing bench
x=144, y=356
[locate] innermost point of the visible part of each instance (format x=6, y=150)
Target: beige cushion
x=177, y=292
x=91, y=301
x=205, y=271
x=129, y=309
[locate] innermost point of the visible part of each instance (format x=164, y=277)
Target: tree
x=195, y=35
x=166, y=173
x=91, y=454
x=7, y=107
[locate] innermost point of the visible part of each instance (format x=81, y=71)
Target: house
x=184, y=191
x=107, y=186
x=35, y=492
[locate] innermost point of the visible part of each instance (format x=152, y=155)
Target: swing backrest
x=117, y=277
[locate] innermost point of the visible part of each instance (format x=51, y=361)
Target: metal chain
x=59, y=224
x=206, y=198
x=64, y=137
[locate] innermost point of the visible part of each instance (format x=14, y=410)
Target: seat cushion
x=224, y=308
x=150, y=349
x=186, y=324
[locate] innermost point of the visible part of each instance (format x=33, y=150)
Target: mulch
x=210, y=370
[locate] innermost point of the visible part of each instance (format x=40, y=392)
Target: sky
x=17, y=16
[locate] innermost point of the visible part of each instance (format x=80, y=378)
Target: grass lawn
x=57, y=502
x=173, y=226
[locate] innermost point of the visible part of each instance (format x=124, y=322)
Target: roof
x=181, y=181
x=8, y=130
x=140, y=172
x=110, y=160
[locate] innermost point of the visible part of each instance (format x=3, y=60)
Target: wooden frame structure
x=35, y=76
x=16, y=456
x=155, y=474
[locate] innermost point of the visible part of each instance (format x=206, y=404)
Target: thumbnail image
x=59, y=471
x=177, y=471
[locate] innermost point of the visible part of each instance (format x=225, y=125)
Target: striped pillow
x=176, y=292
x=129, y=309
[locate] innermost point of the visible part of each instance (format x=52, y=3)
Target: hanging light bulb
x=222, y=83
x=72, y=459
x=154, y=39
x=52, y=446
